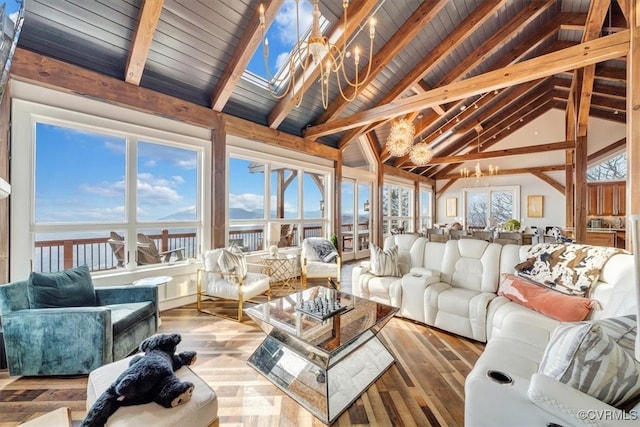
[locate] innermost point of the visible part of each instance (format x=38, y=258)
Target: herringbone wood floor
x=424, y=387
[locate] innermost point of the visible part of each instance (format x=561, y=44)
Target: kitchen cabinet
x=606, y=198
x=605, y=238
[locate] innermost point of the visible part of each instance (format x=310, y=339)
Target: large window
x=491, y=207
x=397, y=205
x=296, y=208
x=426, y=207
x=111, y=196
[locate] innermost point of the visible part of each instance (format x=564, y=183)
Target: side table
x=281, y=270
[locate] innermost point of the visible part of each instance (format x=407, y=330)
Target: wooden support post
x=633, y=116
x=218, y=182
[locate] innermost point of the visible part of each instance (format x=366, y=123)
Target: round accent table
x=160, y=282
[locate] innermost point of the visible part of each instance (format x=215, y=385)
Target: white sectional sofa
x=453, y=286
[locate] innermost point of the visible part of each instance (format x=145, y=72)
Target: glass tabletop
x=283, y=318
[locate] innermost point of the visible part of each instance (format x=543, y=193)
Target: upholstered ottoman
x=201, y=410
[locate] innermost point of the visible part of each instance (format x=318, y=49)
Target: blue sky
x=282, y=37
x=12, y=6
x=80, y=177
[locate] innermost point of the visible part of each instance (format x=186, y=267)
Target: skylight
x=282, y=37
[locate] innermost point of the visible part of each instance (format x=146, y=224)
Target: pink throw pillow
x=566, y=308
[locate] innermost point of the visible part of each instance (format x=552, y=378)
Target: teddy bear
x=149, y=378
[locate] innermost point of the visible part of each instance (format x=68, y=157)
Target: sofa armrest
x=47, y=333
x=573, y=406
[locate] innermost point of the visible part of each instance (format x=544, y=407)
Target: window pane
x=406, y=201
x=247, y=237
x=167, y=183
x=246, y=189
x=314, y=204
x=477, y=204
x=79, y=175
x=395, y=201
x=59, y=251
x=284, y=193
x=501, y=207
x=166, y=246
x=385, y=200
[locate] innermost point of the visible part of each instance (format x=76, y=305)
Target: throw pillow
x=568, y=268
x=67, y=288
x=595, y=358
x=324, y=249
x=566, y=308
x=384, y=262
x=232, y=265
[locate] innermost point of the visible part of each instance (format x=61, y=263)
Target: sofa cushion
x=595, y=358
x=125, y=316
x=384, y=262
x=67, y=288
x=559, y=306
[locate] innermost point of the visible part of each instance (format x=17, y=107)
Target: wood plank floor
x=425, y=387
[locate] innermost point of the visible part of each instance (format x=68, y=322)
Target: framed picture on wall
x=534, y=206
x=452, y=206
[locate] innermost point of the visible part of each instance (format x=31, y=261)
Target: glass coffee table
x=322, y=347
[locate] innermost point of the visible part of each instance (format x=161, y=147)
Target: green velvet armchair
x=95, y=327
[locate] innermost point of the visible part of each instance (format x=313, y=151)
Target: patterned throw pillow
x=384, y=263
x=233, y=265
x=595, y=358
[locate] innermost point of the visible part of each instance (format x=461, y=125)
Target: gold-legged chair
x=214, y=284
x=312, y=267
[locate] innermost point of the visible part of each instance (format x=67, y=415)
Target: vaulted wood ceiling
x=450, y=65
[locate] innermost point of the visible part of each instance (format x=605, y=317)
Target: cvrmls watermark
x=608, y=415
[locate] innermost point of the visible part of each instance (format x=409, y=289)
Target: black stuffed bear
x=149, y=378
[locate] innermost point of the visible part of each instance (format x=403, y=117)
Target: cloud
x=152, y=190
x=285, y=22
x=247, y=201
x=281, y=59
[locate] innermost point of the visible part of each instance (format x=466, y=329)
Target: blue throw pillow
x=67, y=288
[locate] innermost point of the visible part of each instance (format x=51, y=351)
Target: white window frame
x=387, y=218
x=515, y=189
x=113, y=121
x=270, y=156
x=425, y=221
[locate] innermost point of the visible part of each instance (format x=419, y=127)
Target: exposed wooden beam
x=516, y=151
x=608, y=149
x=249, y=42
x=602, y=49
x=422, y=87
x=515, y=171
x=390, y=170
x=373, y=143
x=142, y=38
x=552, y=182
x=428, y=10
x=218, y=175
x=451, y=42
x=48, y=72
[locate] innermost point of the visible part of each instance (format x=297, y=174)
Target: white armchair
x=312, y=265
x=230, y=284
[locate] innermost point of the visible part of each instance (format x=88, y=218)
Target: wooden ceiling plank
x=142, y=39
x=552, y=182
x=599, y=50
x=497, y=40
x=249, y=42
x=467, y=27
x=358, y=11
x=426, y=12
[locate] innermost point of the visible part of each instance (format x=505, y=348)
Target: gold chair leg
x=240, y=309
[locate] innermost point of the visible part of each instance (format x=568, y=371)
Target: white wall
x=548, y=128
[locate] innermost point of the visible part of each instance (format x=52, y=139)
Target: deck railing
x=96, y=252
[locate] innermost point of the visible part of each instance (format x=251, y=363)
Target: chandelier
x=318, y=51
x=400, y=137
x=420, y=154
x=478, y=173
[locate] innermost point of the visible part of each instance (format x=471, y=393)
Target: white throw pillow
x=232, y=265
x=384, y=263
x=595, y=358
